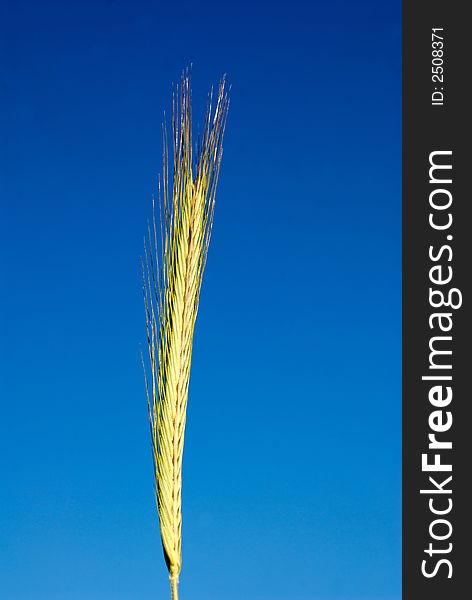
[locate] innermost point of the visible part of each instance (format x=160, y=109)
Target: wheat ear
x=175, y=255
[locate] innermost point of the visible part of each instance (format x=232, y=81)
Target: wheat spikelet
x=175, y=255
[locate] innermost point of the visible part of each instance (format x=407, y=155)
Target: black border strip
x=428, y=128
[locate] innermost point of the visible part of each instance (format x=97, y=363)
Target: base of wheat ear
x=175, y=252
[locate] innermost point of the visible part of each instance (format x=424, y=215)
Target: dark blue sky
x=292, y=461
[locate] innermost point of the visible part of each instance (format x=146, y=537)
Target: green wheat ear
x=173, y=268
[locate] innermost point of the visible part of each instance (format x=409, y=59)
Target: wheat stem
x=174, y=587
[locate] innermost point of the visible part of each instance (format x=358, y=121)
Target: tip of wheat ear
x=175, y=254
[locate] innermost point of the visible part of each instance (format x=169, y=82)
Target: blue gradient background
x=292, y=463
